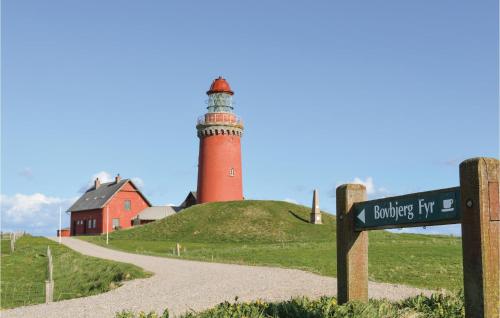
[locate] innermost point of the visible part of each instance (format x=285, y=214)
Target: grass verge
x=75, y=275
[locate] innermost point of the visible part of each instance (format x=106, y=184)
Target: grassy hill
x=276, y=233
x=237, y=221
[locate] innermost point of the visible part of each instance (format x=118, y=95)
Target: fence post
x=50, y=268
x=479, y=186
x=12, y=243
x=49, y=283
x=49, y=291
x=352, y=247
x=178, y=248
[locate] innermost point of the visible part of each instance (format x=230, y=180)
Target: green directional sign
x=416, y=209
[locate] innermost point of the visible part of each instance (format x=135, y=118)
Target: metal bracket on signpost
x=352, y=247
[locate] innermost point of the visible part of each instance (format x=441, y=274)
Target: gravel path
x=184, y=285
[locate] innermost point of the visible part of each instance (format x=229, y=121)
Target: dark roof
x=96, y=198
x=190, y=197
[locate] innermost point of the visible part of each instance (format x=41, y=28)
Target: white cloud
x=291, y=201
x=104, y=177
x=39, y=213
x=371, y=189
x=20, y=207
x=35, y=213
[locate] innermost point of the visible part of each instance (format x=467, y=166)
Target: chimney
x=118, y=178
x=97, y=183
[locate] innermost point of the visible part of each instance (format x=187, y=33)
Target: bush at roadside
x=435, y=306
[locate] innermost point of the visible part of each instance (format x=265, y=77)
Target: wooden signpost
x=475, y=204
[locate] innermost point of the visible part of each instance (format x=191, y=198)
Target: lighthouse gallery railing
x=220, y=118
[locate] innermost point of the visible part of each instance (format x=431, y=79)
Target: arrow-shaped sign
x=361, y=216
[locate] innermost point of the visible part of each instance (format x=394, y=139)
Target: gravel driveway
x=184, y=285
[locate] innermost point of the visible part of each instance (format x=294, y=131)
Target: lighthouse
x=219, y=161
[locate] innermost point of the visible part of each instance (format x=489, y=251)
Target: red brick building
x=120, y=198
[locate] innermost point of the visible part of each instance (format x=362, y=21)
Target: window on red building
x=128, y=205
x=116, y=223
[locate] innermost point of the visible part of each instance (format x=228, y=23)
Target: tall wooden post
x=352, y=247
x=479, y=180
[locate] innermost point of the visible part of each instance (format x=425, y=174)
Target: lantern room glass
x=220, y=103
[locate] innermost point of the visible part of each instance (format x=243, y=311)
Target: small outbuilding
x=154, y=213
x=64, y=232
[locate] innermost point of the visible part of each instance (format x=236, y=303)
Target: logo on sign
x=448, y=205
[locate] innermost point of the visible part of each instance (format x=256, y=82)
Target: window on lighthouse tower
x=231, y=172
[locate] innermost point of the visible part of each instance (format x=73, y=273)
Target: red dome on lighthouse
x=220, y=85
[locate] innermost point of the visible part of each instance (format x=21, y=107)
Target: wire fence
x=12, y=237
x=43, y=289
x=14, y=294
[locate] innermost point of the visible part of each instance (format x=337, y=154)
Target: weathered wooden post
x=178, y=249
x=479, y=185
x=49, y=283
x=352, y=247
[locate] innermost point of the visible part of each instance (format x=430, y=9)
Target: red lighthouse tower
x=219, y=162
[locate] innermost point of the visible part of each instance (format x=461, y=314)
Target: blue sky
x=394, y=94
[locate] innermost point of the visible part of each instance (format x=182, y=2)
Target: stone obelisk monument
x=315, y=211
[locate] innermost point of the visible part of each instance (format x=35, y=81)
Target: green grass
x=277, y=233
x=23, y=272
x=5, y=247
x=436, y=306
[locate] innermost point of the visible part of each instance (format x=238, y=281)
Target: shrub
x=130, y=314
x=436, y=306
